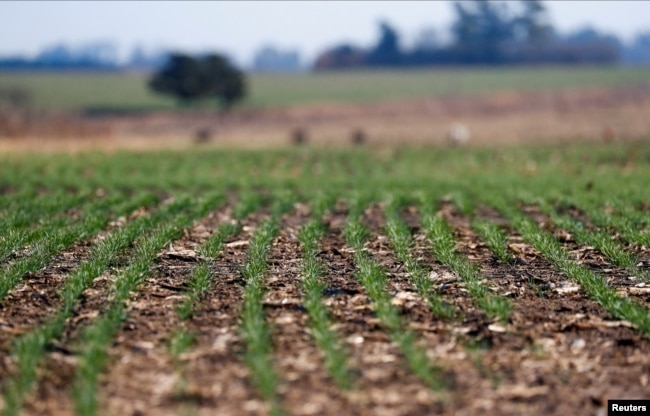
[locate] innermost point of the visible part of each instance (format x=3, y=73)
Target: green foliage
x=402, y=242
x=96, y=338
x=494, y=238
x=373, y=279
x=191, y=79
x=254, y=329
x=55, y=239
x=313, y=286
x=594, y=285
x=201, y=277
x=444, y=248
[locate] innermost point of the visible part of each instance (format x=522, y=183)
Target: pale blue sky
x=239, y=28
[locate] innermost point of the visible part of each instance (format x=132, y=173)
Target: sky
x=240, y=28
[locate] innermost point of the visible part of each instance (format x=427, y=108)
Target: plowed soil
x=560, y=353
x=506, y=117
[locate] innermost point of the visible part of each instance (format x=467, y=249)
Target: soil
x=559, y=353
x=506, y=117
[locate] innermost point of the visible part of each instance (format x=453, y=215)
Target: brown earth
x=508, y=117
x=560, y=353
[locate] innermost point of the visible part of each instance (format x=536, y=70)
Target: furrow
x=305, y=386
x=93, y=338
x=401, y=240
x=373, y=279
x=61, y=297
x=214, y=377
x=39, y=293
x=58, y=240
x=146, y=350
x=383, y=383
x=336, y=359
x=254, y=328
x=444, y=249
x=596, y=250
x=553, y=337
x=594, y=284
x=457, y=340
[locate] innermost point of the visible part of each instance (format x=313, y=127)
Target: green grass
x=601, y=240
x=444, y=248
x=96, y=338
x=28, y=349
x=595, y=285
x=254, y=327
x=336, y=360
x=86, y=90
x=402, y=242
x=201, y=278
x=128, y=92
x=630, y=224
x=55, y=239
x=495, y=239
x=20, y=213
x=374, y=281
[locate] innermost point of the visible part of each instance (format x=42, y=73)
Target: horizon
x=302, y=27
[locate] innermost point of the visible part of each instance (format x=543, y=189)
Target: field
x=373, y=280
x=161, y=261
x=127, y=92
x=75, y=112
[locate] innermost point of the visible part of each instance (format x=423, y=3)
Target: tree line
x=484, y=32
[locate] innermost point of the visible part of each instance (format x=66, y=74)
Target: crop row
x=146, y=235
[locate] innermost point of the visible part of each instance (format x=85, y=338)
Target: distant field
x=128, y=92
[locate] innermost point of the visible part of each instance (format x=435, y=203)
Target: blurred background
x=111, y=75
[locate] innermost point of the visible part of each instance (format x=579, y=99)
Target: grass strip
x=201, y=278
x=629, y=223
x=97, y=337
x=373, y=279
x=14, y=238
x=58, y=240
x=595, y=286
x=623, y=223
x=200, y=281
x=495, y=238
x=52, y=217
x=22, y=213
x=312, y=272
x=444, y=248
x=254, y=327
x=600, y=240
x=28, y=349
x=402, y=242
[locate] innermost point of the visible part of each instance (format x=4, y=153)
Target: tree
x=191, y=79
x=533, y=25
x=638, y=52
x=341, y=56
x=222, y=80
x=386, y=52
x=481, y=31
